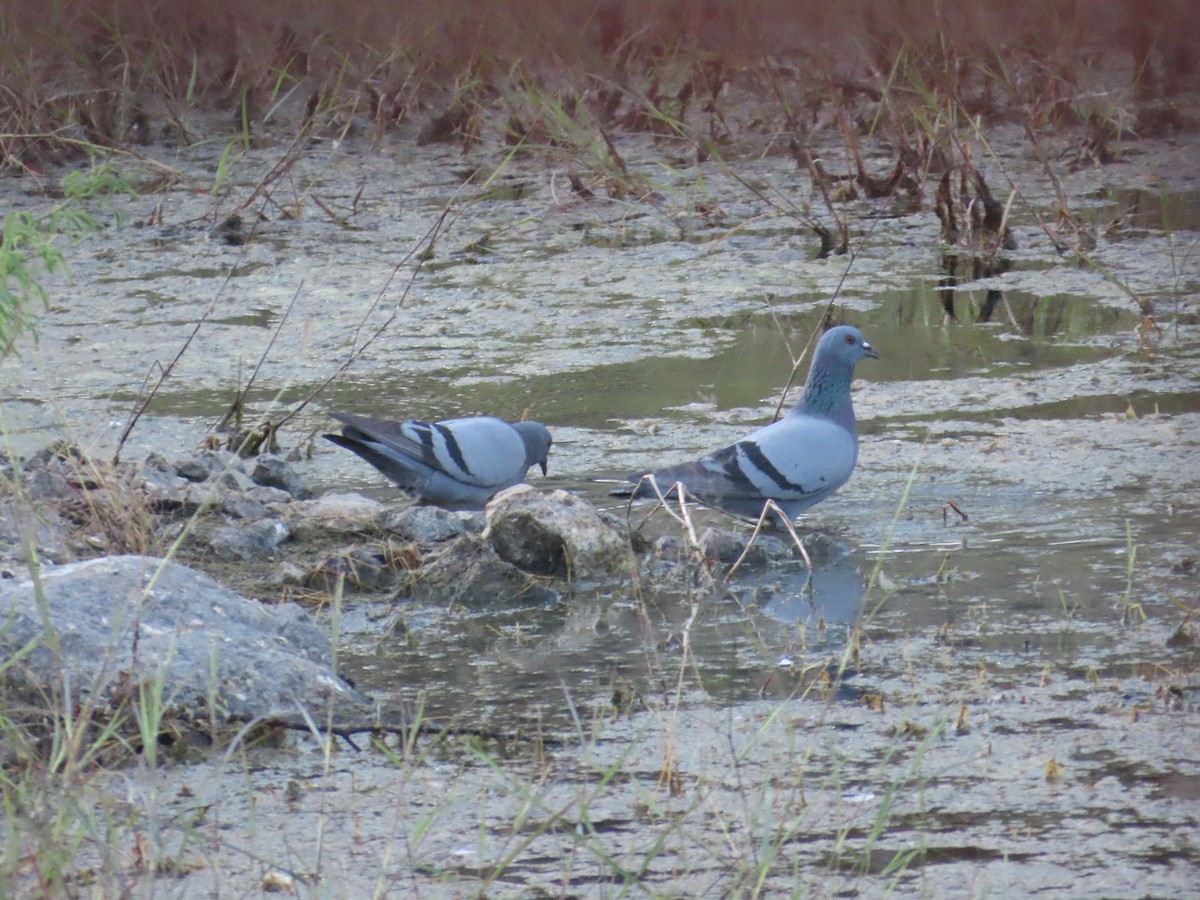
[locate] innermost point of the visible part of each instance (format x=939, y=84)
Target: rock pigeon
x=797, y=461
x=458, y=462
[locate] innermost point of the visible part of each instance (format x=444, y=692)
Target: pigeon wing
x=482, y=450
x=792, y=459
x=797, y=458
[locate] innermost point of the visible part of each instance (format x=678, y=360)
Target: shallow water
x=829, y=723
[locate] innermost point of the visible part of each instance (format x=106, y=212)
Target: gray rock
x=51, y=534
x=241, y=506
x=207, y=463
x=164, y=489
x=269, y=496
x=776, y=547
x=555, y=534
x=123, y=621
x=233, y=480
x=235, y=495
x=725, y=546
x=822, y=549
x=57, y=454
x=44, y=484
x=256, y=540
x=271, y=470
x=671, y=547
x=339, y=514
x=192, y=470
x=286, y=574
x=201, y=494
x=620, y=524
x=166, y=533
x=473, y=520
x=255, y=502
x=157, y=461
x=423, y=524
x=468, y=572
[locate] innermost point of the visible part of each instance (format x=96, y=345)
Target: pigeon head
x=827, y=391
x=843, y=345
x=537, y=443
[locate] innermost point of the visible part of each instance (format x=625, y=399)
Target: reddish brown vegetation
x=122, y=72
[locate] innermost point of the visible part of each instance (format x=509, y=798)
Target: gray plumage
x=797, y=461
x=457, y=462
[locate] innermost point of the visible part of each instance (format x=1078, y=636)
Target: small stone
x=275, y=881
x=157, y=461
x=164, y=490
x=672, y=547
x=192, y=470
x=231, y=231
x=822, y=549
x=254, y=541
x=357, y=568
x=423, y=524
x=557, y=534
x=42, y=484
x=268, y=496
x=639, y=543
x=469, y=573
x=241, y=506
x=725, y=546
x=286, y=574
x=59, y=451
x=271, y=470
x=722, y=545
x=207, y=463
x=472, y=520
x=196, y=495
x=337, y=514
x=233, y=480
x=1184, y=636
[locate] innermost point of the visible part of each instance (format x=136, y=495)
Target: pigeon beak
x=543, y=466
x=870, y=351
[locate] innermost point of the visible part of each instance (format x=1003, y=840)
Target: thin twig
x=683, y=517
x=424, y=245
x=771, y=507
x=239, y=399
x=797, y=361
x=141, y=408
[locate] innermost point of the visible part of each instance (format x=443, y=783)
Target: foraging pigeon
x=455, y=462
x=797, y=461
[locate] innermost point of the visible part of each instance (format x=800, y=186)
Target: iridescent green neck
x=827, y=392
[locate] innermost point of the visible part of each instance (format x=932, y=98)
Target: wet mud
x=988, y=685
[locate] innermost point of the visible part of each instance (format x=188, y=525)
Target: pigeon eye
x=850, y=339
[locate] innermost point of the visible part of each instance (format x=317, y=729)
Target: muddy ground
x=994, y=697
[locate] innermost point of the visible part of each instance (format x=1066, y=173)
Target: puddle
x=749, y=367
x=200, y=274
x=1166, y=211
x=765, y=635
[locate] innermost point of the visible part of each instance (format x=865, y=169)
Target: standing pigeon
x=797, y=461
x=458, y=462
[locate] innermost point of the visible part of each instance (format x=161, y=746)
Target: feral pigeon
x=797, y=461
x=458, y=462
